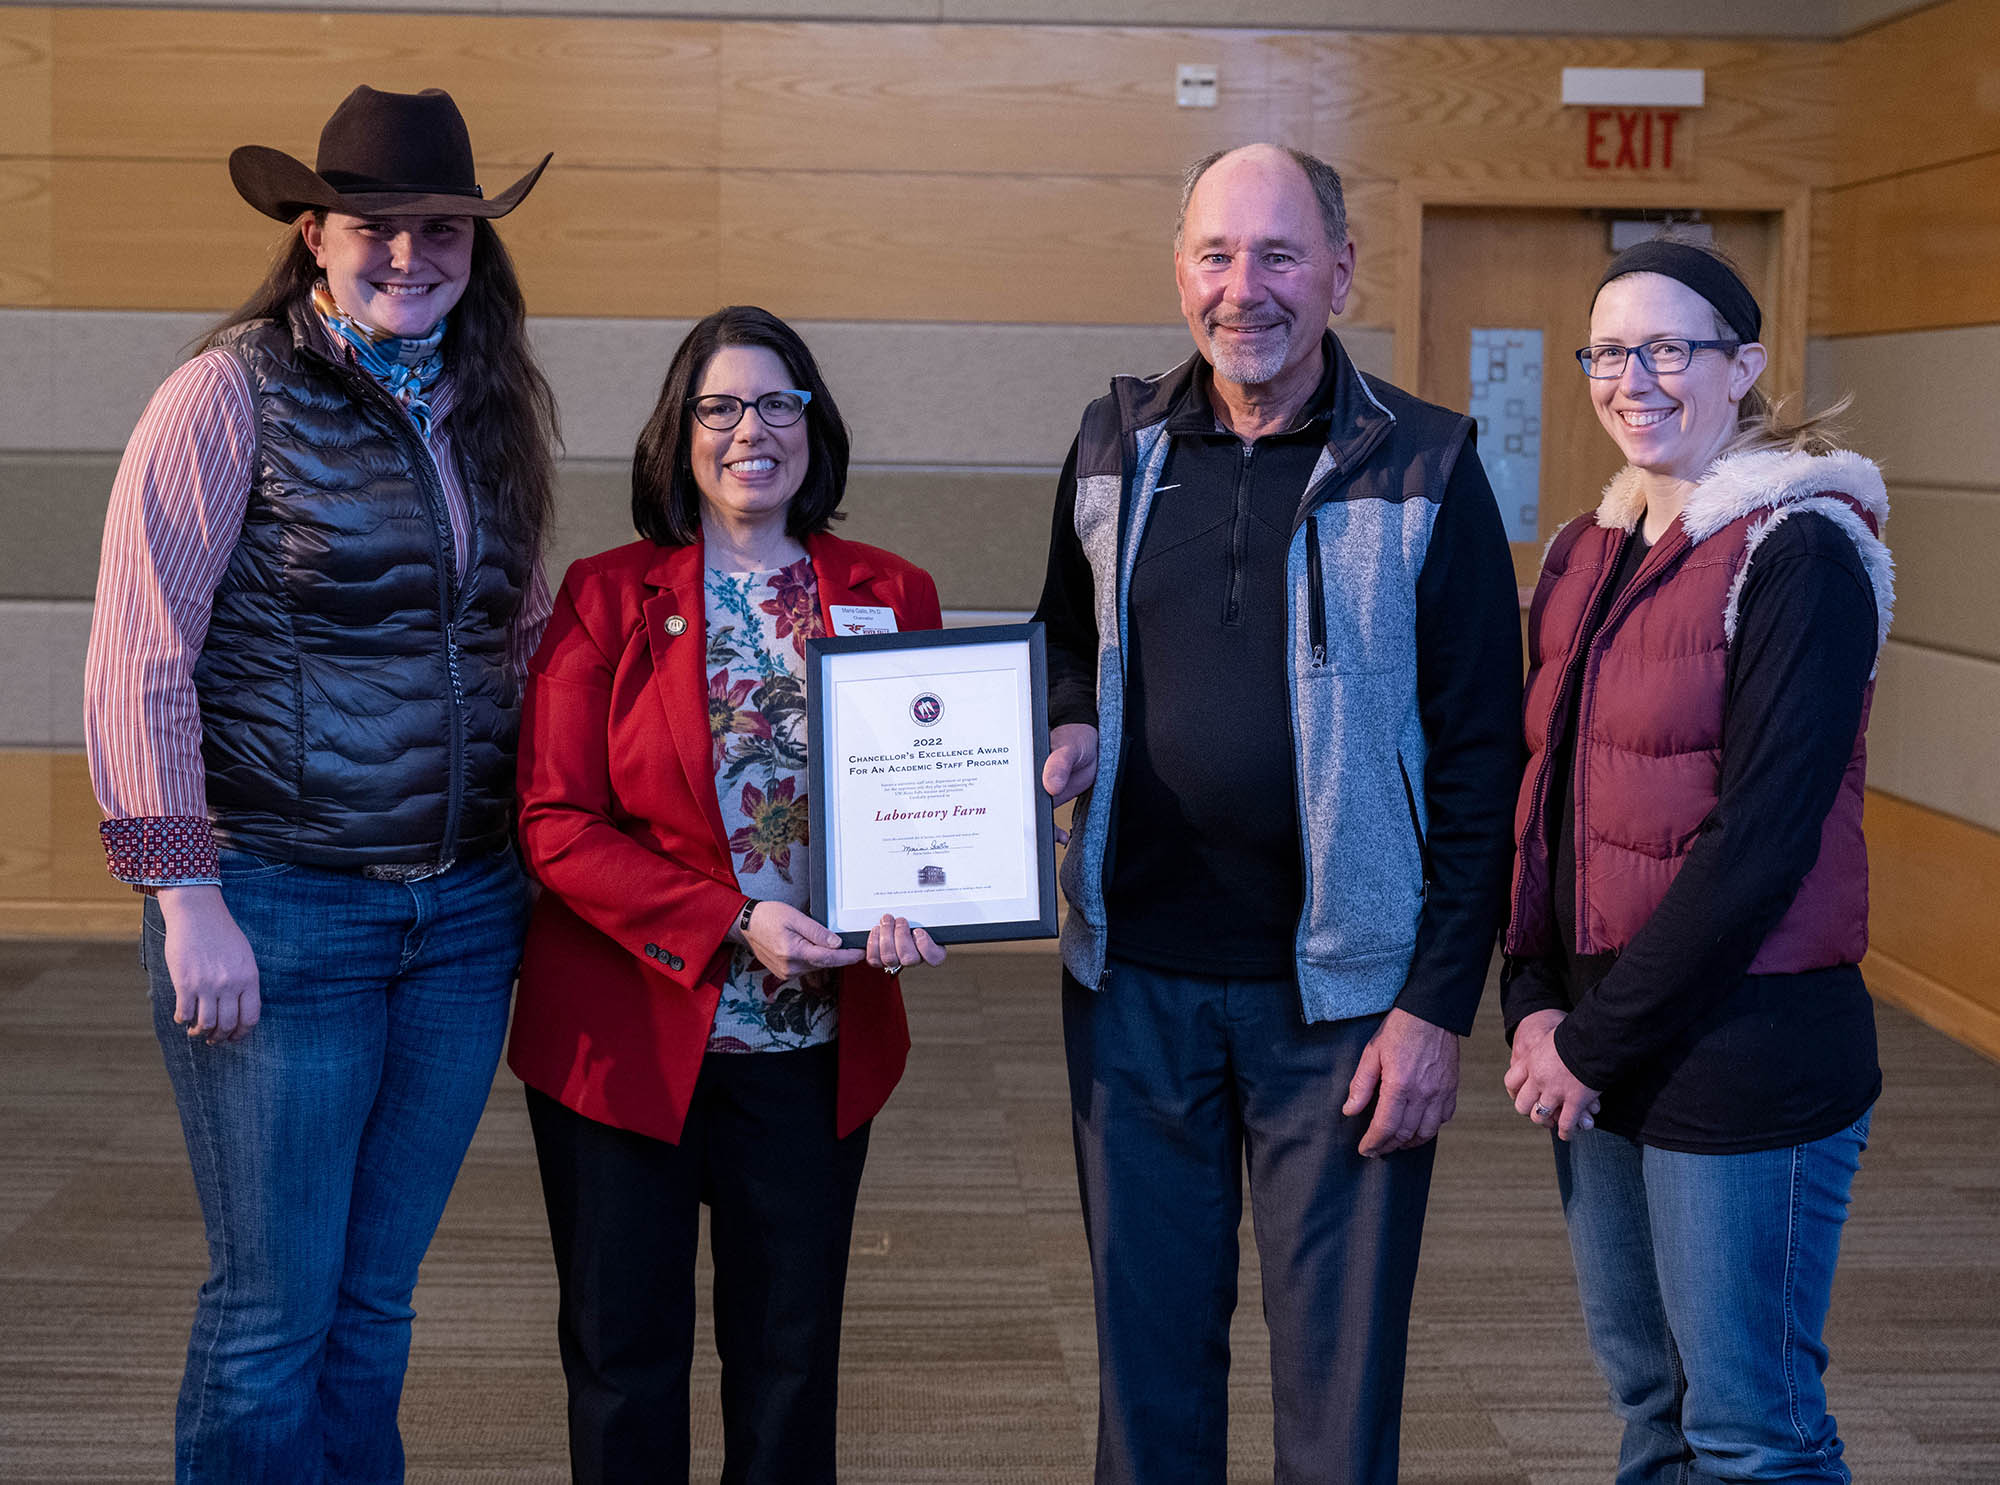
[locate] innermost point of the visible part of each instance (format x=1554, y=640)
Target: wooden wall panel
x=1488, y=108
x=1022, y=249
x=193, y=244
x=596, y=91
x=1379, y=252
x=1920, y=91
x=1005, y=99
x=822, y=245
x=1932, y=883
x=26, y=72
x=839, y=246
x=27, y=234
x=630, y=242
x=1909, y=252
x=52, y=877
x=24, y=844
x=618, y=242
x=975, y=159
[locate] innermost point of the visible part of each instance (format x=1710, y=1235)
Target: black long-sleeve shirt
x=1690, y=1051
x=1203, y=874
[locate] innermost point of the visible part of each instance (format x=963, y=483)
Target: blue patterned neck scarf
x=407, y=369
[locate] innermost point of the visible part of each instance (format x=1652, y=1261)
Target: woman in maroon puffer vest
x=1690, y=889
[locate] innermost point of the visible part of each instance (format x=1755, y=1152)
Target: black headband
x=1703, y=272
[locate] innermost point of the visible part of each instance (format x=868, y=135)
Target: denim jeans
x=1705, y=1282
x=323, y=1147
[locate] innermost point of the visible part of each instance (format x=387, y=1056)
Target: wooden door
x=1534, y=269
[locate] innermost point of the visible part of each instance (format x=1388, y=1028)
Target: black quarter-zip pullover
x=1207, y=875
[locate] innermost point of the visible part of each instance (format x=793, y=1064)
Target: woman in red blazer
x=687, y=1032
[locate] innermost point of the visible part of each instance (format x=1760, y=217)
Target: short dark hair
x=666, y=503
x=1323, y=178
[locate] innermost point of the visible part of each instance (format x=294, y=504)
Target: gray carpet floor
x=969, y=1354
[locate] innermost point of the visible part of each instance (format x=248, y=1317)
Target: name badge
x=862, y=618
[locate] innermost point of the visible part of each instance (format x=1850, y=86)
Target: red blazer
x=626, y=949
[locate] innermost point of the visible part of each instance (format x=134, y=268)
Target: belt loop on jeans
x=418, y=871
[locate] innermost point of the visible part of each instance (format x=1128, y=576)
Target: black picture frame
x=824, y=656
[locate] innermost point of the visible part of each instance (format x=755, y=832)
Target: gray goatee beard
x=1246, y=367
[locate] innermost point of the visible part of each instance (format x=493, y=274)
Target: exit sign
x=1635, y=141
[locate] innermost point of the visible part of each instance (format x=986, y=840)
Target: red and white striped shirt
x=177, y=509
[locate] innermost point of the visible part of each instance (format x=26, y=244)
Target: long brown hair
x=504, y=422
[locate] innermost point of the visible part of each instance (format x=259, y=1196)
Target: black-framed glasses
x=723, y=412
x=1659, y=357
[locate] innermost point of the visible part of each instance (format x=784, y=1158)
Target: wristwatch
x=743, y=918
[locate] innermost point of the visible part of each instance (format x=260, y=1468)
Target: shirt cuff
x=161, y=851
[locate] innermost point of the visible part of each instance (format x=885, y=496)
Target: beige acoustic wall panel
x=1923, y=402
x=1934, y=735
x=1924, y=413
x=72, y=380
x=1946, y=544
x=42, y=646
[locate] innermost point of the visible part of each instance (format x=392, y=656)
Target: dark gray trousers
x=1176, y=1080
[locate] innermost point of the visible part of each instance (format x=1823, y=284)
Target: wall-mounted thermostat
x=1194, y=85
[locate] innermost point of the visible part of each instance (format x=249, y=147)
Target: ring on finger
x=1542, y=1111
x=892, y=969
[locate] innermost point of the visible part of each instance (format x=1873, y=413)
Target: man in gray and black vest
x=1284, y=680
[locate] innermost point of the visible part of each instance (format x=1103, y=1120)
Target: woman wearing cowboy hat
x=319, y=589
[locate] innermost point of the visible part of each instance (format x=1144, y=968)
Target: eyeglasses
x=1659, y=357
x=723, y=412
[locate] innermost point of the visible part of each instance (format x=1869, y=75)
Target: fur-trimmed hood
x=1783, y=484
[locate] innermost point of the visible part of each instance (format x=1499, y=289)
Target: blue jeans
x=323, y=1147
x=1177, y=1082
x=1705, y=1282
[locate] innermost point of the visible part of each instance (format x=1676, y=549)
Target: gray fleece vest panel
x=1357, y=733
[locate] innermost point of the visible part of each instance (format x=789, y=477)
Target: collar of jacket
x=1356, y=420
x=844, y=571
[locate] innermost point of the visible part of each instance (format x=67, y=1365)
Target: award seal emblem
x=926, y=709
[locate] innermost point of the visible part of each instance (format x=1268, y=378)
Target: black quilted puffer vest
x=357, y=706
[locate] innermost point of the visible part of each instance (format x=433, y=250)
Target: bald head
x=1279, y=161
x=1259, y=270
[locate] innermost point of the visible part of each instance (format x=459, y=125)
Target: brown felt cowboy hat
x=381, y=154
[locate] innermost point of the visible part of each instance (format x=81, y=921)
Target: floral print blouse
x=758, y=625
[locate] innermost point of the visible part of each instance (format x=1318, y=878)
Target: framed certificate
x=926, y=799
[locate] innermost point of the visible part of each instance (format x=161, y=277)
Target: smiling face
x=1258, y=279
x=748, y=475
x=399, y=275
x=1672, y=425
